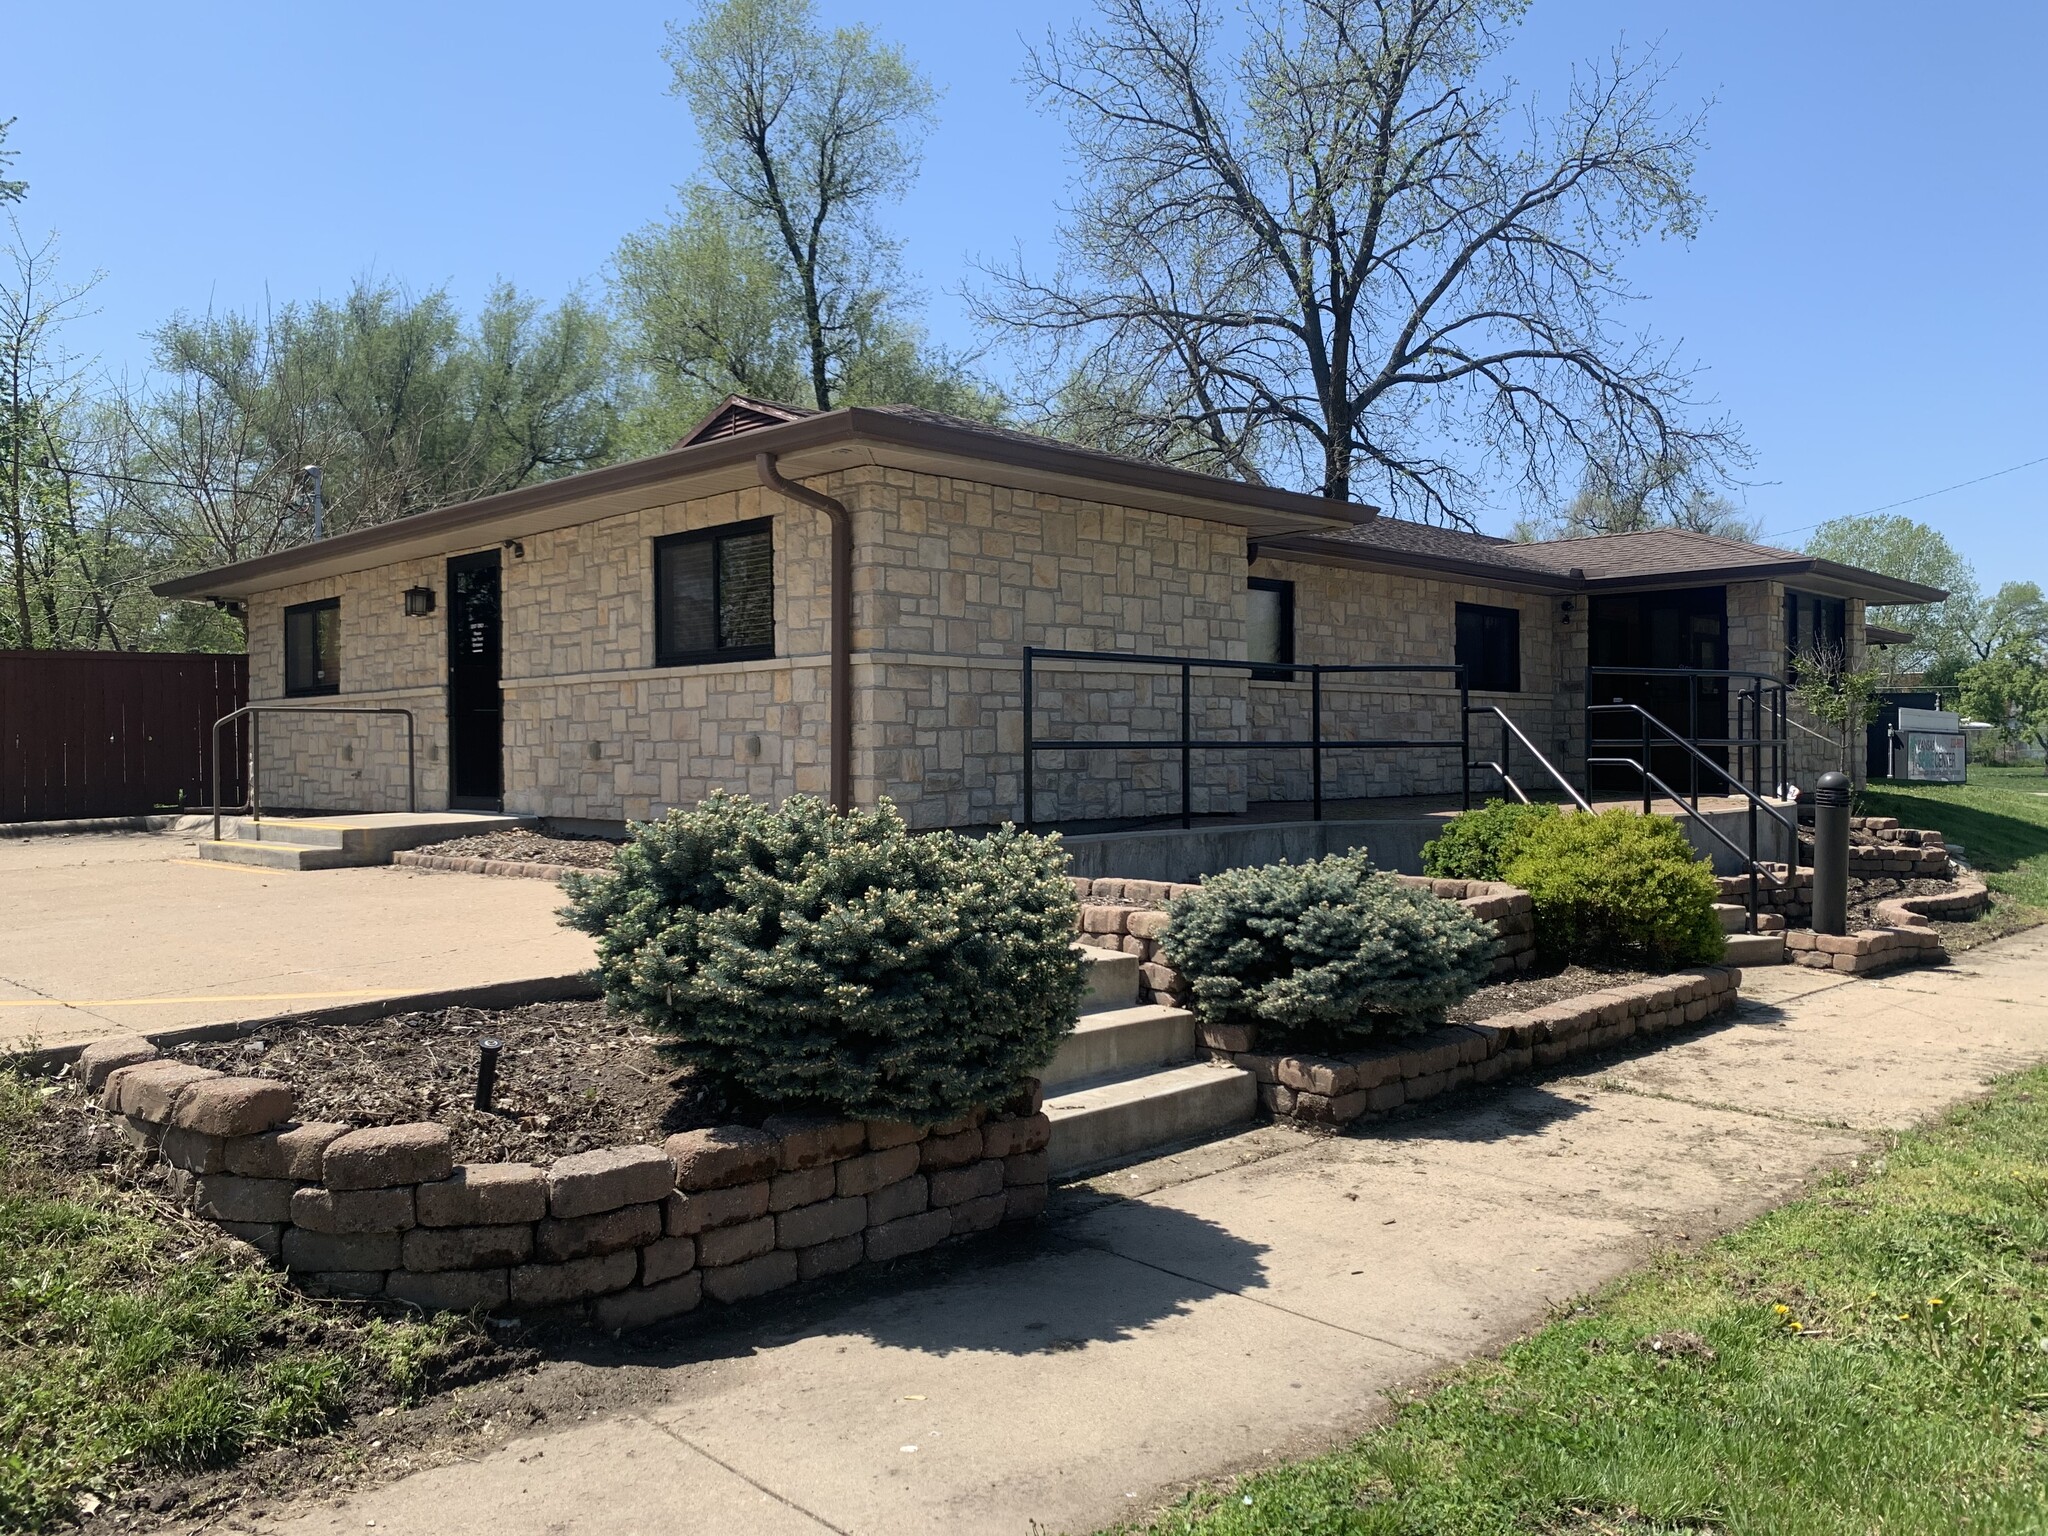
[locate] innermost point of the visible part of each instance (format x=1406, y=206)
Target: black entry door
x=1684, y=630
x=475, y=706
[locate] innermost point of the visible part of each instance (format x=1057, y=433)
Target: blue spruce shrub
x=1324, y=955
x=814, y=962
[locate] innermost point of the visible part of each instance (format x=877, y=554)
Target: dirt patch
x=531, y=845
x=571, y=1078
x=1865, y=893
x=1535, y=989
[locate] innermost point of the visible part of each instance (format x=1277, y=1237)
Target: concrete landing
x=336, y=842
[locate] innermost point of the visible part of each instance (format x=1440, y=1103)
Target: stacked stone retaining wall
x=626, y=1236
x=1335, y=1090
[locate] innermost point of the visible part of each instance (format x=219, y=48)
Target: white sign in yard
x=1935, y=757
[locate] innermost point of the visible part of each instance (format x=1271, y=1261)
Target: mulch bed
x=1533, y=990
x=537, y=845
x=571, y=1078
x=1866, y=892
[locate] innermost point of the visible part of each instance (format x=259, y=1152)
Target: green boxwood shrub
x=1618, y=888
x=1479, y=845
x=814, y=962
x=1324, y=955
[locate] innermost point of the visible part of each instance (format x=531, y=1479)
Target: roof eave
x=1318, y=551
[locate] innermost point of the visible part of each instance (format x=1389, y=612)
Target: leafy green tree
x=1839, y=697
x=1620, y=499
x=2010, y=691
x=1899, y=547
x=775, y=278
x=1327, y=240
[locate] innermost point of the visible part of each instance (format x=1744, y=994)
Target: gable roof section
x=741, y=413
x=1656, y=557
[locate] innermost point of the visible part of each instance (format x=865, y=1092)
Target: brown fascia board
x=1824, y=576
x=817, y=445
x=1364, y=557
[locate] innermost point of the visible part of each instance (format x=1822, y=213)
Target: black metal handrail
x=1187, y=743
x=1755, y=867
x=1510, y=730
x=255, y=714
x=1762, y=713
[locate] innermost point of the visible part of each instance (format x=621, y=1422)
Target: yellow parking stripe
x=211, y=997
x=247, y=869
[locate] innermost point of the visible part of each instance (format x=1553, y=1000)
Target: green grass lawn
x=137, y=1346
x=1873, y=1358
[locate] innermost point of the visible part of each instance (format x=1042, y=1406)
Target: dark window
x=714, y=595
x=1815, y=626
x=1490, y=647
x=1269, y=624
x=312, y=647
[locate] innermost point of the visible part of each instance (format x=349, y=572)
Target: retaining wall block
x=667, y=1257
x=884, y=1134
x=1023, y=1202
x=558, y=1240
x=193, y=1151
x=449, y=1290
x=722, y=1156
x=484, y=1194
x=907, y=1235
x=805, y=1186
x=102, y=1057
x=292, y=1152
x=148, y=1089
x=324, y=1252
x=979, y=1215
x=689, y=1214
x=644, y=1305
x=822, y=1223
x=229, y=1197
x=735, y=1245
x=339, y=1211
x=821, y=1259
x=590, y=1183
x=1007, y=1138
x=429, y=1250
x=871, y=1171
x=556, y=1285
x=757, y=1276
x=906, y=1197
x=956, y=1150
x=383, y=1156
x=956, y=1186
x=233, y=1106
x=808, y=1141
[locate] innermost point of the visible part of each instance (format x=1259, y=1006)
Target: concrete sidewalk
x=125, y=933
x=1253, y=1299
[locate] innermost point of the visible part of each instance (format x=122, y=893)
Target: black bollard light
x=487, y=1072
x=1831, y=854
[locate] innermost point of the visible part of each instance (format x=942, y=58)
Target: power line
x=108, y=474
x=1923, y=496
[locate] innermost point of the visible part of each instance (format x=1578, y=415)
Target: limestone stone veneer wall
x=1129, y=915
x=626, y=1235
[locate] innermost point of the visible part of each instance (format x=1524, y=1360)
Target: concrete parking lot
x=124, y=933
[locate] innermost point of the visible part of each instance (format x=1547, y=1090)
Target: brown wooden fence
x=115, y=733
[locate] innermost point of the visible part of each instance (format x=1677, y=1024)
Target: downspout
x=840, y=725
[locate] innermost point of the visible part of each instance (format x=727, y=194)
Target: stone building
x=841, y=603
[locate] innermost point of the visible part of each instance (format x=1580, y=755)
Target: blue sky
x=1866, y=296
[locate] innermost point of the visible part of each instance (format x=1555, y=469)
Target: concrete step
x=1102, y=1122
x=1735, y=918
x=275, y=855
x=1120, y=1041
x=1755, y=949
x=1112, y=979
x=368, y=839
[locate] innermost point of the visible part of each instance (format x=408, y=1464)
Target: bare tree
x=1338, y=255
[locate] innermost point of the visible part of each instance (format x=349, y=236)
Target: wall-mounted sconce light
x=518, y=549
x=419, y=602
x=1564, y=610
